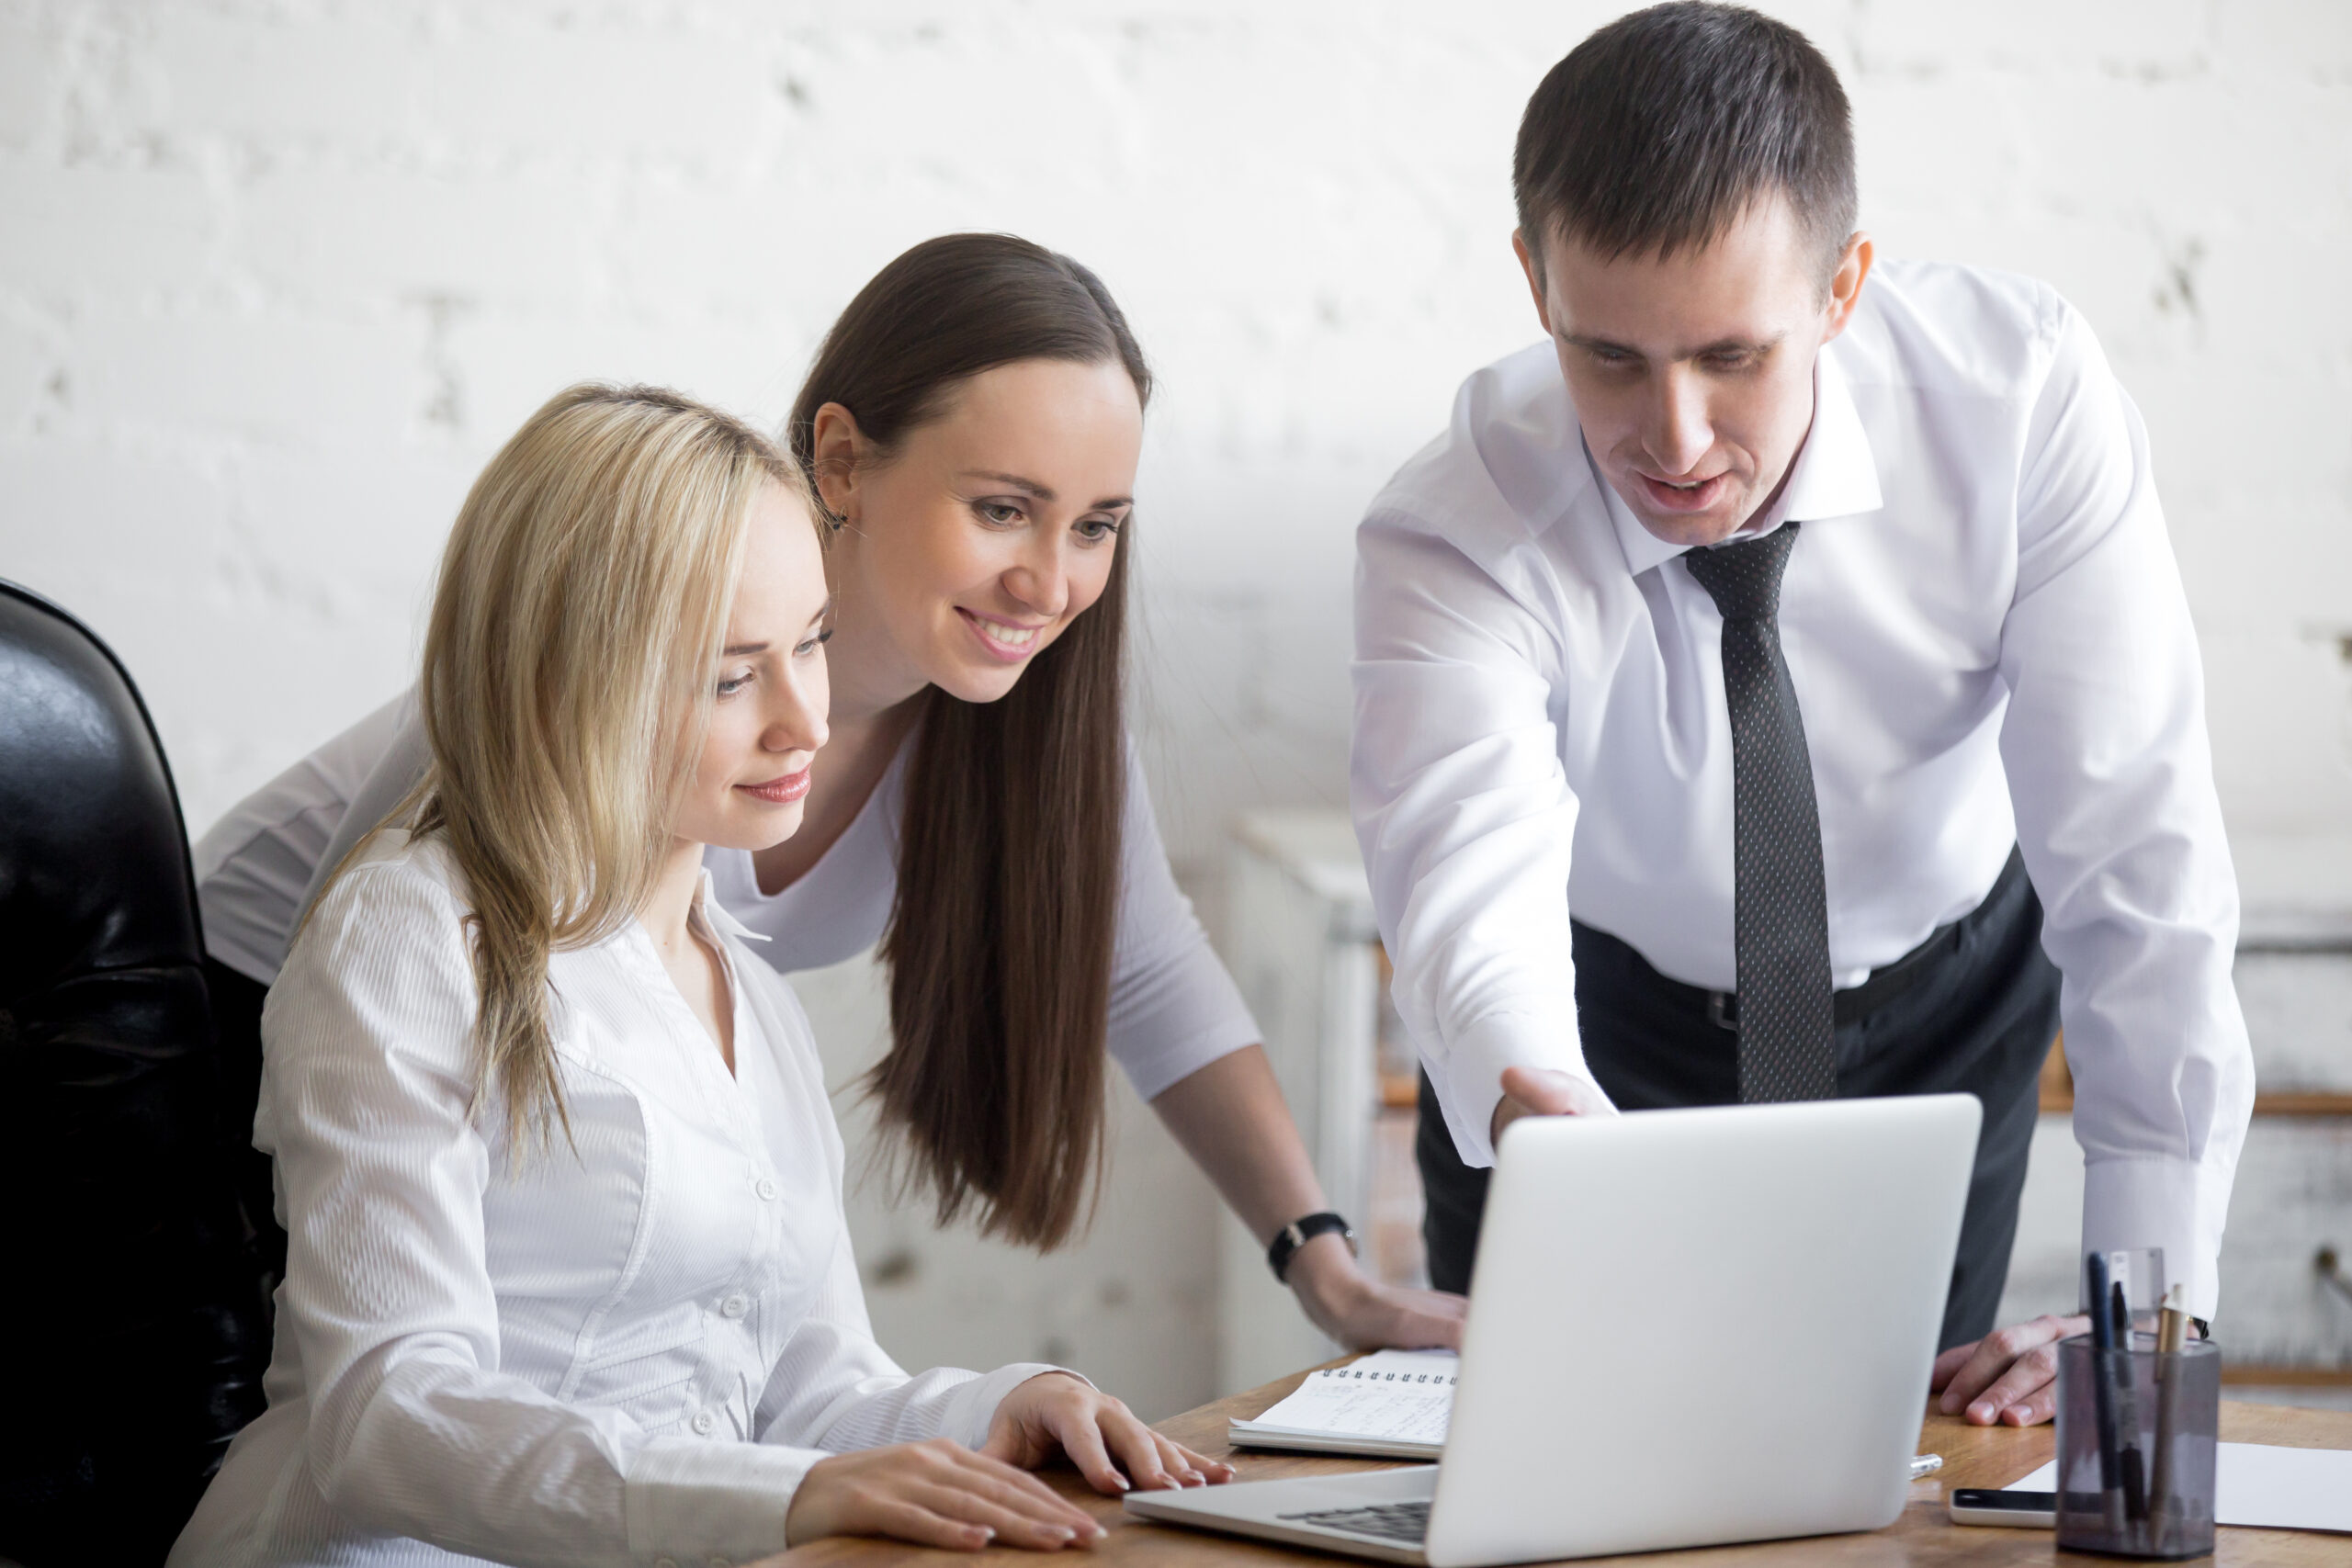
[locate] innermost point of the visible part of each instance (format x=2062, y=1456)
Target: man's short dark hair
x=1661, y=128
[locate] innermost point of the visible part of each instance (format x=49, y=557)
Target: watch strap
x=1298, y=1233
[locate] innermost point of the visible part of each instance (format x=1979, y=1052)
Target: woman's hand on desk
x=2010, y=1376
x=1055, y=1413
x=1365, y=1314
x=937, y=1492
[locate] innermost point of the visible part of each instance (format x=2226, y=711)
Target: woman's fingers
x=1005, y=1518
x=1137, y=1448
x=1183, y=1462
x=904, y=1520
x=1001, y=1485
x=1082, y=1442
x=938, y=1494
x=1216, y=1470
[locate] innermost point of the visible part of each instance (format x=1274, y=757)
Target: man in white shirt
x=1762, y=681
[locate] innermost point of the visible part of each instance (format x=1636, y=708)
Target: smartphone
x=2021, y=1510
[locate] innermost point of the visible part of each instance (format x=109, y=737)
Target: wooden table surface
x=1973, y=1455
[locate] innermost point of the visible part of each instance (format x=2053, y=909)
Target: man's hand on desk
x=1546, y=1091
x=1362, y=1313
x=2010, y=1376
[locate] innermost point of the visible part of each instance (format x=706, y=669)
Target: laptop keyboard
x=1391, y=1521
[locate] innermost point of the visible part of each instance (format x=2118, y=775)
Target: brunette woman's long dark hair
x=1000, y=940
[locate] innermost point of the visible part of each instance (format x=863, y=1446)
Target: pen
x=2102, y=1389
x=2172, y=1333
x=2129, y=1462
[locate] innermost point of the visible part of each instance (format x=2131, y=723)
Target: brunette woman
x=972, y=424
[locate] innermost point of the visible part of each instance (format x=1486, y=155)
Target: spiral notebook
x=1392, y=1403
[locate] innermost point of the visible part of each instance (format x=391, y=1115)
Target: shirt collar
x=1835, y=474
x=706, y=901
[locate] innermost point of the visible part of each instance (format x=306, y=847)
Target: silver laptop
x=1686, y=1327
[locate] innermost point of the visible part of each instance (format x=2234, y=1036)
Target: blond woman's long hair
x=582, y=603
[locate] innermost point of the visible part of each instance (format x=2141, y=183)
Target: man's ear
x=1535, y=271
x=1846, y=283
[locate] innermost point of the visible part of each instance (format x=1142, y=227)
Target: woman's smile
x=1010, y=641
x=781, y=791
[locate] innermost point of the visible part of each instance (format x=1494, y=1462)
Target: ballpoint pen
x=2103, y=1389
x=2130, y=1464
x=2172, y=1333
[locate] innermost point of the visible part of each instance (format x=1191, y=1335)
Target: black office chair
x=133, y=1328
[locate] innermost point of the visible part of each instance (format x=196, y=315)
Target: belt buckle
x=1722, y=1010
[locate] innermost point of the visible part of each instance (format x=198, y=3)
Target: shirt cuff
x=689, y=1500
x=1470, y=1082
x=2158, y=1200
x=971, y=1409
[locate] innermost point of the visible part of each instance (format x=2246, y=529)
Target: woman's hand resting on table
x=942, y=1493
x=1055, y=1412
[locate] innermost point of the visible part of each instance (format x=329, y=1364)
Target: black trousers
x=1972, y=1009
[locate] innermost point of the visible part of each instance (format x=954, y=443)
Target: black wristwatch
x=1298, y=1233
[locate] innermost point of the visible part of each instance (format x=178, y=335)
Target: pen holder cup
x=2139, y=1430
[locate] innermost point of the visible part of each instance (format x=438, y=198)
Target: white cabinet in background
x=1300, y=941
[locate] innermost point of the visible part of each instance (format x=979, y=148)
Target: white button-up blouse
x=624, y=1347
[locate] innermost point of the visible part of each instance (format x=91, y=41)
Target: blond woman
x=568, y=1280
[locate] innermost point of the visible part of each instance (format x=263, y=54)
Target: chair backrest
x=134, y=1321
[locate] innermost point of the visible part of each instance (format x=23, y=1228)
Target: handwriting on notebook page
x=1404, y=1395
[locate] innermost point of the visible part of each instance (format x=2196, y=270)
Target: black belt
x=1885, y=983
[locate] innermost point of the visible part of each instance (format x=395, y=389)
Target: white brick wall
x=276, y=276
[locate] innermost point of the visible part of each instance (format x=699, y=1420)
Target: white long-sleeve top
x=1989, y=644
x=1173, y=1008
x=631, y=1350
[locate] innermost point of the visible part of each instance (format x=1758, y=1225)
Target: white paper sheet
x=2266, y=1487
x=1398, y=1395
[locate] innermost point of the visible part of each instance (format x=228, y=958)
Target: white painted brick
x=28, y=363
x=355, y=74
x=32, y=81
x=517, y=239
x=739, y=245
x=2287, y=36
x=355, y=386
x=114, y=535
x=354, y=544
x=1923, y=36
x=510, y=365
x=83, y=230
x=580, y=89
x=2278, y=760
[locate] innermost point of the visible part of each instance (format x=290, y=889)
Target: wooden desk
x=1973, y=1455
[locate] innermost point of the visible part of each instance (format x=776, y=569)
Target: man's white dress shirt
x=1989, y=644
x=627, y=1349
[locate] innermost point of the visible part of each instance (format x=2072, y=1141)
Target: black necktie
x=1780, y=914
